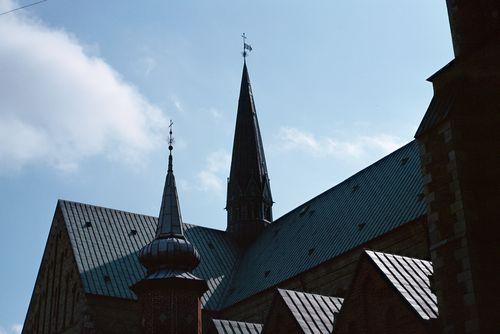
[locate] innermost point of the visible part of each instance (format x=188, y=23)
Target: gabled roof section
x=376, y=200
x=410, y=277
x=314, y=313
x=236, y=327
x=106, y=243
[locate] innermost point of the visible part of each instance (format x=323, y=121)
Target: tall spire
x=249, y=199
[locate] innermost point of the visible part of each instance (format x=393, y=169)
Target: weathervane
x=170, y=137
x=246, y=47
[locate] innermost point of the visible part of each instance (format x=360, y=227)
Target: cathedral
x=410, y=244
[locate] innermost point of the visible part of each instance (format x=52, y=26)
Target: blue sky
x=88, y=87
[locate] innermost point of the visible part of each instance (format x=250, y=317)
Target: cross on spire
x=170, y=137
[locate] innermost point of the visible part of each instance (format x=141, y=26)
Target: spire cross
x=170, y=137
x=246, y=47
x=170, y=146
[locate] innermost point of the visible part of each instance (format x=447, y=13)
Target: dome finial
x=170, y=145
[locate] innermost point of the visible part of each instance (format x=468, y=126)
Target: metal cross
x=244, y=53
x=170, y=137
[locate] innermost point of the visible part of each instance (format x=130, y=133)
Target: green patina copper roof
x=369, y=204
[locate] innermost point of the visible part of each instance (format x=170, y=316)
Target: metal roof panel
x=370, y=203
x=106, y=243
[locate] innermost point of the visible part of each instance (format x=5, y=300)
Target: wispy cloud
x=215, y=113
x=177, y=103
x=146, y=65
x=14, y=329
x=357, y=147
x=212, y=177
x=60, y=105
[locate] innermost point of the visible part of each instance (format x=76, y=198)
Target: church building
x=410, y=244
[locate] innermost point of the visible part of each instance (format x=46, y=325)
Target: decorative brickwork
x=58, y=302
x=172, y=311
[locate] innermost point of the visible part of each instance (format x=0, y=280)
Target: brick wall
x=461, y=166
x=280, y=320
x=114, y=315
x=170, y=311
x=58, y=303
x=372, y=306
x=332, y=278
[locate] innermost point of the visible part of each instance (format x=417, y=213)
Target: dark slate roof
x=236, y=327
x=367, y=205
x=314, y=313
x=106, y=243
x=410, y=277
x=439, y=108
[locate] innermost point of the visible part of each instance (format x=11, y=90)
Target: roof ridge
x=60, y=200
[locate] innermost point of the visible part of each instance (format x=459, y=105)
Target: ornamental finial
x=246, y=47
x=170, y=145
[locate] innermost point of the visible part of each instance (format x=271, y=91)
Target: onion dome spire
x=169, y=249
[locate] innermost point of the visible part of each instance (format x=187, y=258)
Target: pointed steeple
x=169, y=249
x=169, y=294
x=249, y=199
x=170, y=219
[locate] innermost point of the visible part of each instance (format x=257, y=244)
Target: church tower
x=459, y=138
x=170, y=294
x=249, y=200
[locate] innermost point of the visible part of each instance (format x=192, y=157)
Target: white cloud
x=212, y=177
x=59, y=105
x=16, y=329
x=358, y=147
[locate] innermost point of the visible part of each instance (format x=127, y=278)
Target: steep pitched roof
x=314, y=313
x=106, y=244
x=236, y=327
x=367, y=205
x=410, y=277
